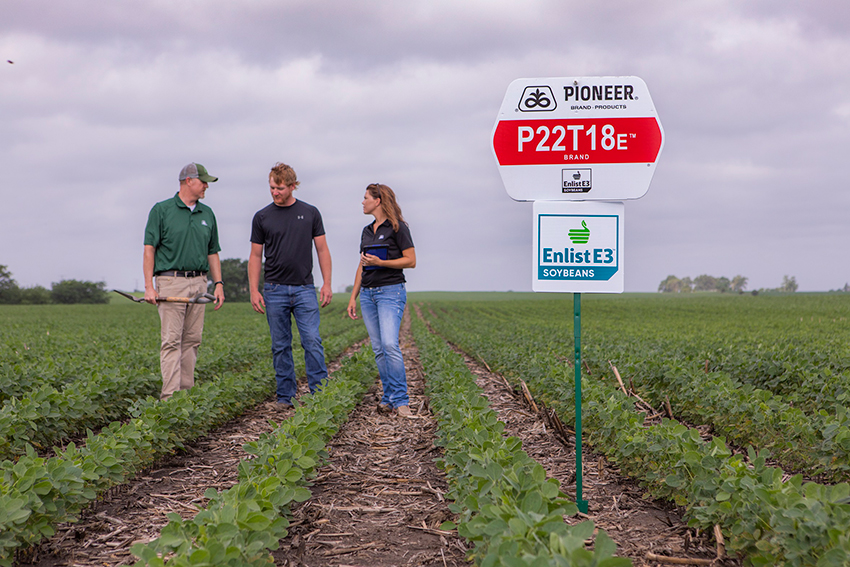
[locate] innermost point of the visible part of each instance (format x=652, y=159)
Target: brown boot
x=384, y=408
x=404, y=411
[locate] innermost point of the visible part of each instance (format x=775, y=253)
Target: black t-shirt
x=287, y=234
x=396, y=243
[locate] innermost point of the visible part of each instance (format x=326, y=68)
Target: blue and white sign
x=578, y=247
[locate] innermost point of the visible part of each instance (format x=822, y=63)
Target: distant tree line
x=704, y=282
x=789, y=285
x=234, y=272
x=65, y=291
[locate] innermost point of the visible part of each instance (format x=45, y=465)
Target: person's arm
x=352, y=303
x=147, y=268
x=407, y=260
x=324, y=254
x=215, y=272
x=255, y=264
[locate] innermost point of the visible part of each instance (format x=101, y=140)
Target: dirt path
x=379, y=501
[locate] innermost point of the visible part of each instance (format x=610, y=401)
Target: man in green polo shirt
x=181, y=246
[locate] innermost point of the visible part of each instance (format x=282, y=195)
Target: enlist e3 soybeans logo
x=576, y=180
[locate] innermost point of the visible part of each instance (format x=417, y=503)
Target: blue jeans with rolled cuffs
x=282, y=303
x=382, y=309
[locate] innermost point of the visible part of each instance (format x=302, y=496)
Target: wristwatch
x=218, y=282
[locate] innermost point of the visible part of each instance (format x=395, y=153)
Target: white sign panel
x=577, y=138
x=578, y=247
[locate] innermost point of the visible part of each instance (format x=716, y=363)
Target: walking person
x=386, y=248
x=180, y=249
x=285, y=231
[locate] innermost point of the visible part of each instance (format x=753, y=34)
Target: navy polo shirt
x=396, y=241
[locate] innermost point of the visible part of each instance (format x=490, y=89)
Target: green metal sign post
x=577, y=182
x=582, y=504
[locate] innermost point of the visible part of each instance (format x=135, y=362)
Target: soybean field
x=715, y=426
x=732, y=407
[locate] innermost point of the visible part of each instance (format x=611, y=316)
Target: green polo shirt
x=183, y=238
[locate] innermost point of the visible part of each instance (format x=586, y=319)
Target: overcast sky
x=104, y=102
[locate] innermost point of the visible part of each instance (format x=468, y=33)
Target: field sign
x=578, y=247
x=577, y=138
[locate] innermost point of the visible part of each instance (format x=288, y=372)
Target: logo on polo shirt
x=300, y=217
x=204, y=223
x=381, y=237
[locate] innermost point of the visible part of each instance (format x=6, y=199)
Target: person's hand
x=352, y=309
x=151, y=295
x=219, y=296
x=257, y=302
x=325, y=295
x=369, y=260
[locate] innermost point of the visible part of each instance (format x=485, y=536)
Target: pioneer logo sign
x=536, y=99
x=547, y=127
x=578, y=246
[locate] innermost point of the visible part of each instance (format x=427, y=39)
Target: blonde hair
x=389, y=205
x=283, y=174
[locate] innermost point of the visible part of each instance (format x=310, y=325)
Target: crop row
x=56, y=345
x=818, y=442
x=796, y=347
x=767, y=521
x=47, y=415
x=505, y=504
x=36, y=492
x=59, y=345
x=240, y=525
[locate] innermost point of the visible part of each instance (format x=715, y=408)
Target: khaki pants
x=182, y=326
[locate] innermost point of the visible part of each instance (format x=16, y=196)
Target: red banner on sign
x=576, y=141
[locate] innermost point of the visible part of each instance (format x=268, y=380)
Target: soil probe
x=200, y=298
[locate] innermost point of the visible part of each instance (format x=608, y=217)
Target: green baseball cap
x=196, y=170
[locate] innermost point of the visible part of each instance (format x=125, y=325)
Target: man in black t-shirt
x=286, y=231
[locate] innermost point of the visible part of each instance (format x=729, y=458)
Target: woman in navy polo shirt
x=386, y=248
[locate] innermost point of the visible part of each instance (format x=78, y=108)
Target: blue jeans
x=283, y=302
x=382, y=308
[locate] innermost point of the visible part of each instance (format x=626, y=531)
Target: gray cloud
x=105, y=103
